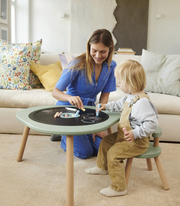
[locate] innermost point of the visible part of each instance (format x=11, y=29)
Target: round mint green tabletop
x=23, y=116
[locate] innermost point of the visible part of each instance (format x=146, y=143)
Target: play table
x=42, y=119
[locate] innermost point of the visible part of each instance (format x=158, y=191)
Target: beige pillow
x=163, y=73
x=48, y=74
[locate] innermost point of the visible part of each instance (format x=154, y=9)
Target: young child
x=139, y=119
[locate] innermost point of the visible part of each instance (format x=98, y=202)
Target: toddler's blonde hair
x=131, y=74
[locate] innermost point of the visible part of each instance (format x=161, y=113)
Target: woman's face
x=99, y=52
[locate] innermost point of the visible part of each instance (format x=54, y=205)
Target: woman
x=84, y=77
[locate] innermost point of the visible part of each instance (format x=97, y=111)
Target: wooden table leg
x=69, y=171
x=23, y=143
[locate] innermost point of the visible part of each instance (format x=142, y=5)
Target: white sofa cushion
x=163, y=73
x=26, y=98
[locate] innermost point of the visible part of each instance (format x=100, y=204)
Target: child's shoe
x=109, y=192
x=96, y=171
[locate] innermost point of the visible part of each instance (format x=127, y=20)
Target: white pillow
x=163, y=73
x=65, y=59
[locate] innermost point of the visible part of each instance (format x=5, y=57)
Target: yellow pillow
x=48, y=74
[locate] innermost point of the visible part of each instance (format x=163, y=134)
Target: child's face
x=124, y=88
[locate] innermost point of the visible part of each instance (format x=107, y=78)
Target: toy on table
x=76, y=115
x=69, y=115
x=97, y=113
x=72, y=109
x=58, y=114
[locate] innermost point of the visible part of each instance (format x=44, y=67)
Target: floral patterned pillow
x=36, y=54
x=35, y=59
x=15, y=65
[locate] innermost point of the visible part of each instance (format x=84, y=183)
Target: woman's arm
x=73, y=100
x=59, y=95
x=104, y=98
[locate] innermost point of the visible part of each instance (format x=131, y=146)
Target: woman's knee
x=82, y=146
x=83, y=153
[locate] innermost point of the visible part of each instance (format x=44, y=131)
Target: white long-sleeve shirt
x=143, y=117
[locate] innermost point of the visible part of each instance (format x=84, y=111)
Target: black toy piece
x=88, y=116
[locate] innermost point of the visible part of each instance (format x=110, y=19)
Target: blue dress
x=77, y=85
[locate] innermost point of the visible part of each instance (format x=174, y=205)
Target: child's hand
x=102, y=107
x=128, y=135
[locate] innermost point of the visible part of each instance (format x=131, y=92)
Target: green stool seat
x=151, y=152
x=157, y=133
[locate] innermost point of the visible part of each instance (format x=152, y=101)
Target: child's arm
x=146, y=128
x=100, y=107
x=144, y=118
x=115, y=106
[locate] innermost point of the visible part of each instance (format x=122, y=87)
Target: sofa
x=12, y=101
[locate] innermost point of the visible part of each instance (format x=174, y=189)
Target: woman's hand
x=76, y=100
x=99, y=134
x=73, y=100
x=128, y=135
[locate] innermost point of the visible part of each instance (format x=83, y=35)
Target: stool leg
x=128, y=169
x=161, y=173
x=23, y=143
x=149, y=164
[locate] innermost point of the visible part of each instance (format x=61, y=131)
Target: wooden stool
x=153, y=151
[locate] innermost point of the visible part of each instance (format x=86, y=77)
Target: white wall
x=164, y=33
x=88, y=16
x=46, y=23
x=22, y=30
